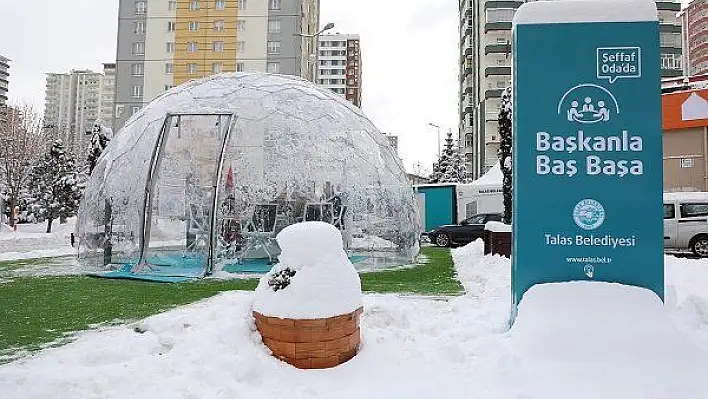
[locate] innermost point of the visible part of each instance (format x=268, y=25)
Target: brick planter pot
x=314, y=343
x=500, y=243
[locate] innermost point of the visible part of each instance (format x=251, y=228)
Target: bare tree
x=22, y=140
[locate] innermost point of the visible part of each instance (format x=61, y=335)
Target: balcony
x=493, y=93
x=497, y=49
x=502, y=4
x=497, y=70
x=668, y=6
x=492, y=26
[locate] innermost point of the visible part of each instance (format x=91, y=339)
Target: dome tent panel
x=293, y=152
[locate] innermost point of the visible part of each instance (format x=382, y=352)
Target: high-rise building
x=72, y=105
x=485, y=71
x=695, y=37
x=164, y=43
x=339, y=65
x=4, y=79
x=107, y=94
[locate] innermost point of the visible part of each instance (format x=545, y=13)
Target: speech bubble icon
x=619, y=63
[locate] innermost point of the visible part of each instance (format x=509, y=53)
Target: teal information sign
x=587, y=155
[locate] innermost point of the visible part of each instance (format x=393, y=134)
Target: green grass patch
x=434, y=277
x=39, y=310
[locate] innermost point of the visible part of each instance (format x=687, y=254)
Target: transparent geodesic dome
x=205, y=176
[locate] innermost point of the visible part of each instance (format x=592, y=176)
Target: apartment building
x=339, y=65
x=4, y=79
x=485, y=70
x=107, y=94
x=164, y=43
x=74, y=102
x=694, y=20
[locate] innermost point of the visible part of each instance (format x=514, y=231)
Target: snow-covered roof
x=549, y=12
x=494, y=177
x=686, y=196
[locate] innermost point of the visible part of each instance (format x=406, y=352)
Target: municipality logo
x=589, y=214
x=588, y=103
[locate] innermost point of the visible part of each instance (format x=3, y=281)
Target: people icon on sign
x=602, y=112
x=573, y=114
x=587, y=107
x=588, y=113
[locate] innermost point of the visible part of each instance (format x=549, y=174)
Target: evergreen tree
x=505, y=134
x=450, y=168
x=99, y=141
x=459, y=168
x=55, y=187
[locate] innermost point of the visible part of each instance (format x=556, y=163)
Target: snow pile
x=591, y=339
x=568, y=11
x=497, y=227
x=31, y=241
x=325, y=283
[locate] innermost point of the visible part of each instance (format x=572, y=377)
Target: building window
x=194, y=5
x=137, y=70
x=274, y=26
x=193, y=25
x=219, y=26
x=138, y=48
x=192, y=69
x=218, y=46
x=217, y=67
x=141, y=7
x=192, y=47
x=139, y=28
x=239, y=67
x=273, y=47
x=670, y=39
x=170, y=47
x=469, y=140
x=273, y=67
x=170, y=26
x=671, y=61
x=171, y=5
x=136, y=91
x=134, y=109
x=169, y=68
x=240, y=46
x=240, y=25
x=242, y=4
x=220, y=4
x=274, y=4
x=500, y=15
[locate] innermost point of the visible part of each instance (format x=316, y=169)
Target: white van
x=686, y=222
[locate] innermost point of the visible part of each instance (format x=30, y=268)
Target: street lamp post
x=311, y=62
x=437, y=127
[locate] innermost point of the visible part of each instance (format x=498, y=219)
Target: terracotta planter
x=314, y=343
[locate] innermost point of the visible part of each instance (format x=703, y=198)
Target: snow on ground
x=608, y=346
x=25, y=243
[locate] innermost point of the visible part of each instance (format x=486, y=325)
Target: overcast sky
x=409, y=55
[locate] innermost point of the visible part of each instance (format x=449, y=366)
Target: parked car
x=686, y=222
x=465, y=232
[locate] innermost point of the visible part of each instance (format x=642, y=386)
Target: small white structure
x=483, y=195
